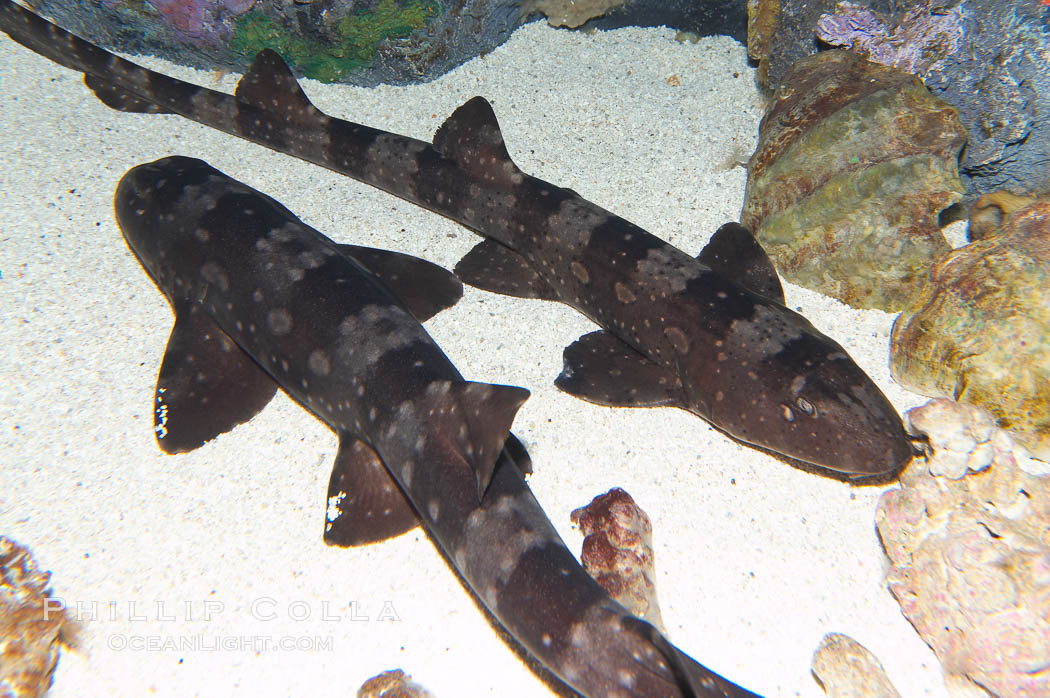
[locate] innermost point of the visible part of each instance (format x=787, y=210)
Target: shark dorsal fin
x=477, y=416
x=471, y=137
x=270, y=85
x=734, y=253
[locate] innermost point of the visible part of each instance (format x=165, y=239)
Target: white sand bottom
x=205, y=574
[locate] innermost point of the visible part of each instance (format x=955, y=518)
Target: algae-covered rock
x=970, y=553
x=618, y=552
x=33, y=628
x=980, y=330
x=854, y=163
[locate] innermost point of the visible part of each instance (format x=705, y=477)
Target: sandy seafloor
x=756, y=560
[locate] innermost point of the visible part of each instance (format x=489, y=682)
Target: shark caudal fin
x=471, y=138
x=476, y=418
x=207, y=385
x=70, y=51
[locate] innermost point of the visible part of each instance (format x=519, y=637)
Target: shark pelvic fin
x=365, y=504
x=492, y=266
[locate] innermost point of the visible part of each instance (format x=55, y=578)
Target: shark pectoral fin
x=484, y=413
x=471, y=137
x=365, y=504
x=425, y=288
x=116, y=97
x=270, y=85
x=492, y=266
x=207, y=384
x=734, y=253
x=601, y=368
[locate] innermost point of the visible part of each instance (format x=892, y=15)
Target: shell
x=32, y=629
x=618, y=552
x=970, y=554
x=846, y=669
x=980, y=330
x=854, y=162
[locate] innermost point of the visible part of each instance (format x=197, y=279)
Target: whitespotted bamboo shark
x=709, y=334
x=261, y=300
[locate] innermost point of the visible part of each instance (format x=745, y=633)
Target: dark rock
x=363, y=42
x=987, y=58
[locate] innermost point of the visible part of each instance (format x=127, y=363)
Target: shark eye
x=806, y=407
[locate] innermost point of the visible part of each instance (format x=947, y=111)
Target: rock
x=618, y=552
x=846, y=669
x=987, y=58
x=854, y=162
x=392, y=684
x=32, y=627
x=364, y=42
x=979, y=332
x=570, y=13
x=970, y=553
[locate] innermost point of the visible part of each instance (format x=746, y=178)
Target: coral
x=32, y=630
x=618, y=551
x=970, y=553
x=392, y=684
x=979, y=331
x=364, y=42
x=853, y=164
x=201, y=21
x=846, y=669
x=918, y=44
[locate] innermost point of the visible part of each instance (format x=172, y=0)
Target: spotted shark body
x=263, y=301
x=708, y=334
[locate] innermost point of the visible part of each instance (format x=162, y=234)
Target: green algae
x=358, y=36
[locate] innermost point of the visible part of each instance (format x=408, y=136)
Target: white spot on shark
x=319, y=363
x=279, y=321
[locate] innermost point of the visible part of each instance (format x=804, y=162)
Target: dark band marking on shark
x=710, y=335
x=263, y=301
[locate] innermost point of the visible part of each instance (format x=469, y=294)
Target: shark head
x=800, y=394
x=150, y=204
